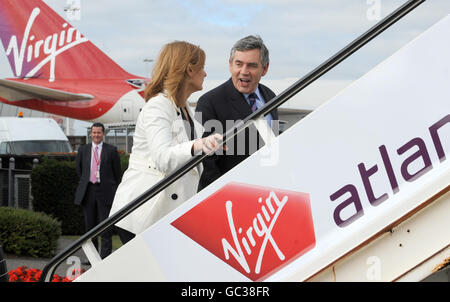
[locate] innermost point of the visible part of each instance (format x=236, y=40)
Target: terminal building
x=121, y=134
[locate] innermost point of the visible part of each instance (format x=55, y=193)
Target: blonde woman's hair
x=171, y=67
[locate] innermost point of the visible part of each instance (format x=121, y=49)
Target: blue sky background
x=299, y=34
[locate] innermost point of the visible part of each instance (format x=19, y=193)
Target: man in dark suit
x=232, y=101
x=98, y=166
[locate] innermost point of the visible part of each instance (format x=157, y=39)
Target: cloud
x=300, y=34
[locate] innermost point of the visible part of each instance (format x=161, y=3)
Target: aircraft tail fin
x=41, y=44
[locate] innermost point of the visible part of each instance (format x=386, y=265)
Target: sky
x=300, y=34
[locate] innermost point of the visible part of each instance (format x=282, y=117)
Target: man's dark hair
x=98, y=125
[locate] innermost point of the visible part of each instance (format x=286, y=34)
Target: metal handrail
x=274, y=103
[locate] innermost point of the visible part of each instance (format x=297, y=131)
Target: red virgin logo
x=256, y=230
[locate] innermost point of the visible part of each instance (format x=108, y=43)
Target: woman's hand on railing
x=209, y=144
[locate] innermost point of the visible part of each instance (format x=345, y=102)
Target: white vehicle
x=31, y=135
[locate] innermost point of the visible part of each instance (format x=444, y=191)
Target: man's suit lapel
x=238, y=101
x=240, y=104
x=87, y=161
x=103, y=154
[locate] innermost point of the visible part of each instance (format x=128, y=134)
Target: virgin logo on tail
x=256, y=230
x=51, y=46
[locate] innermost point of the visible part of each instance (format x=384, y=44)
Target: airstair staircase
x=356, y=191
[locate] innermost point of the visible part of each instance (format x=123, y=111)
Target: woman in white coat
x=165, y=138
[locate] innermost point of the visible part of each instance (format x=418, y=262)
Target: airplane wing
x=17, y=91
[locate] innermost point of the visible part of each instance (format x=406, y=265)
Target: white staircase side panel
x=132, y=262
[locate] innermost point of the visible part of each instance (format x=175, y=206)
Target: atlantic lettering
x=418, y=159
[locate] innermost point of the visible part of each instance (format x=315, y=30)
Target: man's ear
x=265, y=69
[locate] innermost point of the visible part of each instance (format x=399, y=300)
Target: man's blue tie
x=252, y=99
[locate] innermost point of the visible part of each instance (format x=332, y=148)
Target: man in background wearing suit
x=98, y=166
x=234, y=100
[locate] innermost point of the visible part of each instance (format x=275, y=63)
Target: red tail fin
x=41, y=44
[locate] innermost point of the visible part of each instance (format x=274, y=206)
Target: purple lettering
x=354, y=199
x=414, y=161
x=422, y=152
x=436, y=140
x=365, y=174
x=388, y=167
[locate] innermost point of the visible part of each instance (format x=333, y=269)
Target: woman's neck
x=183, y=94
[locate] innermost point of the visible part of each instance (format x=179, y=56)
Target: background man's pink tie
x=94, y=166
